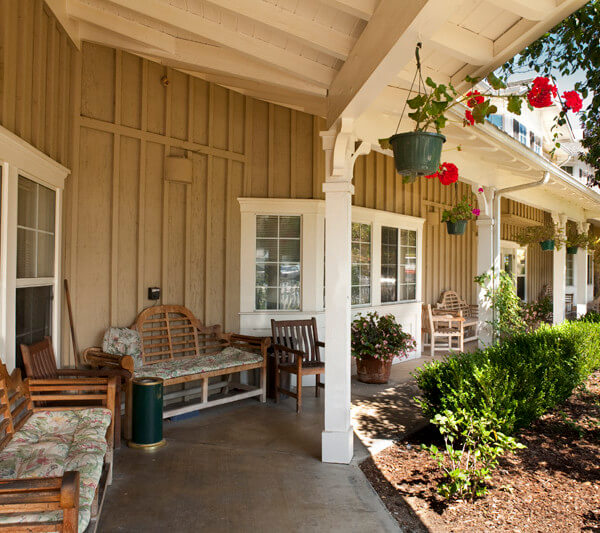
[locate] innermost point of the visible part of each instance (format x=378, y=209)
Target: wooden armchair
x=452, y=304
x=441, y=326
x=40, y=363
x=296, y=347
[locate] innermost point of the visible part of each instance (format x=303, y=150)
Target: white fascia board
x=28, y=159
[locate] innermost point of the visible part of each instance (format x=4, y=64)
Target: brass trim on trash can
x=147, y=381
x=148, y=447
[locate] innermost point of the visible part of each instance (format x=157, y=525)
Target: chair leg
x=128, y=401
x=263, y=384
x=317, y=385
x=299, y=393
x=432, y=345
x=277, y=380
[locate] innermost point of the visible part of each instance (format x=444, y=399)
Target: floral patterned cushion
x=53, y=442
x=124, y=341
x=174, y=368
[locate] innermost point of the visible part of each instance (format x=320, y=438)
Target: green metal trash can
x=147, y=421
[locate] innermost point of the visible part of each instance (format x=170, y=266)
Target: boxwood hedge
x=518, y=380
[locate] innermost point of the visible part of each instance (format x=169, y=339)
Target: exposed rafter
x=363, y=9
x=464, y=44
x=385, y=46
x=528, y=9
x=306, y=31
x=59, y=8
x=217, y=33
x=198, y=56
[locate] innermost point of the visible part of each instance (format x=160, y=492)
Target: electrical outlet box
x=153, y=293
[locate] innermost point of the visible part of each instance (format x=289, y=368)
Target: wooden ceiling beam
x=302, y=29
x=204, y=57
x=385, y=47
x=214, y=32
x=527, y=9
x=464, y=44
x=362, y=9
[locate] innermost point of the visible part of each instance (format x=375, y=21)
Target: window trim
x=17, y=157
x=513, y=246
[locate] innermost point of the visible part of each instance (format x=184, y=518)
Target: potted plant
x=418, y=152
x=546, y=235
x=575, y=240
x=456, y=218
x=376, y=340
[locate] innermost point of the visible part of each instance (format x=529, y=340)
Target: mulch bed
x=552, y=485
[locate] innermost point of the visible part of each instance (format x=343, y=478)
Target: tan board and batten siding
x=126, y=228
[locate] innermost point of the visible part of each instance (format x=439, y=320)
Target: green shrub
x=593, y=317
x=516, y=381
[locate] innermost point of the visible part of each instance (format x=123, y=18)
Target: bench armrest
x=96, y=358
x=250, y=341
x=35, y=495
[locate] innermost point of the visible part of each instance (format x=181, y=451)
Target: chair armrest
x=32, y=495
x=321, y=344
x=95, y=373
x=293, y=351
x=96, y=358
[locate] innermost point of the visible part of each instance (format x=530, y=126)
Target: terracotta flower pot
x=371, y=370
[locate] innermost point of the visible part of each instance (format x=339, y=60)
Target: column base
x=337, y=446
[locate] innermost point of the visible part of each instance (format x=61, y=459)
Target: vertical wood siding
x=129, y=229
x=36, y=65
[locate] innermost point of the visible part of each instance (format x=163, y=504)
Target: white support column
x=338, y=143
x=559, y=272
x=581, y=274
x=485, y=259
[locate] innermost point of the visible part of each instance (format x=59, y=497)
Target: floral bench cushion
x=174, y=368
x=53, y=442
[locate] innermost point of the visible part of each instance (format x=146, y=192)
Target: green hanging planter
x=456, y=228
x=547, y=245
x=572, y=250
x=417, y=153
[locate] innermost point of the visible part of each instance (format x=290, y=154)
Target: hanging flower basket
x=417, y=153
x=572, y=250
x=456, y=228
x=547, y=245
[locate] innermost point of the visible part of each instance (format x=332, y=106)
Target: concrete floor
x=256, y=467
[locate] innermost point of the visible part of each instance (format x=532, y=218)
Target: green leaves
x=495, y=82
x=417, y=101
x=385, y=144
x=514, y=104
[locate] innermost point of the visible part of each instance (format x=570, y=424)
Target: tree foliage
x=572, y=46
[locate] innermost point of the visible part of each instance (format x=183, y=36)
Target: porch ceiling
x=327, y=57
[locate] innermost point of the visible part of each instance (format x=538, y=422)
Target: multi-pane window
x=389, y=264
x=408, y=265
x=361, y=263
x=35, y=230
x=520, y=273
x=520, y=132
x=278, y=262
x=570, y=270
x=36, y=225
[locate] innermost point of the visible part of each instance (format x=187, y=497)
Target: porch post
x=338, y=143
x=581, y=274
x=559, y=273
x=485, y=259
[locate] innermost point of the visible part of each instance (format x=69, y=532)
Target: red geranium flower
x=477, y=98
x=469, y=118
x=448, y=173
x=541, y=93
x=573, y=101
x=434, y=175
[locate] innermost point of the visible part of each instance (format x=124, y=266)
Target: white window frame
x=512, y=247
x=17, y=157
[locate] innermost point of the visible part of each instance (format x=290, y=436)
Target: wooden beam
x=527, y=9
x=363, y=9
x=386, y=45
x=59, y=8
x=197, y=56
x=204, y=28
x=305, y=30
x=464, y=44
x=102, y=18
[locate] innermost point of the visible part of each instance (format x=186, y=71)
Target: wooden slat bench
x=451, y=303
x=56, y=449
x=178, y=348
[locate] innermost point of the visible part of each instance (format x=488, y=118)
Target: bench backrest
x=15, y=405
x=172, y=331
x=451, y=301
